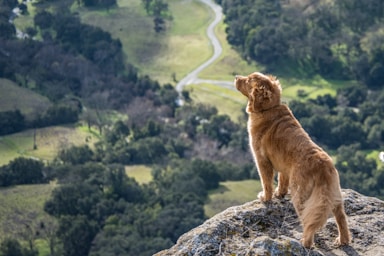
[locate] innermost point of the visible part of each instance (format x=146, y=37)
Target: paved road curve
x=192, y=77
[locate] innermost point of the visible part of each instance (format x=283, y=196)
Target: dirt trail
x=192, y=77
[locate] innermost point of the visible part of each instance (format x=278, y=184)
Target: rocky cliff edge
x=255, y=228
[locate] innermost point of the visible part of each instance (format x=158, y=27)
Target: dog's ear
x=252, y=101
x=261, y=95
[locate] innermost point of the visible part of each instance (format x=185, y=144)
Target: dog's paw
x=263, y=198
x=278, y=194
x=340, y=242
x=307, y=243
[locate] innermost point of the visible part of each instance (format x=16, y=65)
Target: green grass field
x=23, y=205
x=49, y=141
x=14, y=97
x=141, y=173
x=230, y=62
x=226, y=101
x=158, y=55
x=231, y=193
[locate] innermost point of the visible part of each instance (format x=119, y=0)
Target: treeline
x=337, y=39
x=13, y=121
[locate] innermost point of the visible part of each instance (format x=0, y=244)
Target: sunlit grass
x=49, y=142
x=24, y=21
x=309, y=91
x=231, y=193
x=141, y=173
x=230, y=62
x=159, y=55
x=43, y=247
x=226, y=101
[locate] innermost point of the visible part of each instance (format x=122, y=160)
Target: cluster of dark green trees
x=337, y=39
x=13, y=121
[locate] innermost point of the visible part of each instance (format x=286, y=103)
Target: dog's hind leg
x=342, y=225
x=315, y=214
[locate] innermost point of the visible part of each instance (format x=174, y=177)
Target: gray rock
x=274, y=229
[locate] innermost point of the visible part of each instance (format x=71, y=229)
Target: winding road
x=192, y=77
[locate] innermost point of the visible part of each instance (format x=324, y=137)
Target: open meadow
x=141, y=173
x=14, y=97
x=23, y=205
x=231, y=193
x=49, y=141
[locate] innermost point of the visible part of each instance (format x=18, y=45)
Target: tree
x=119, y=132
x=160, y=12
x=123, y=187
x=73, y=199
x=76, y=155
x=77, y=234
x=22, y=171
x=207, y=171
x=355, y=167
x=11, y=122
x=43, y=19
x=12, y=247
x=220, y=127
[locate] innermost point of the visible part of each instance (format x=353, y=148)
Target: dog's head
x=263, y=91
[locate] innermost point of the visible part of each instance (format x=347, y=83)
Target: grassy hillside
x=14, y=97
x=22, y=204
x=174, y=53
x=49, y=141
x=183, y=47
x=158, y=55
x=231, y=193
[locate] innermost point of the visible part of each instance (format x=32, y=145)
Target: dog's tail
x=325, y=198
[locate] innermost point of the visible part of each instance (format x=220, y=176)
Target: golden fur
x=279, y=143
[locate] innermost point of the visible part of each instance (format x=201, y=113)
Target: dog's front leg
x=283, y=185
x=266, y=174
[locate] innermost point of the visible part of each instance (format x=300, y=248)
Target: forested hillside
x=341, y=40
x=82, y=70
x=337, y=39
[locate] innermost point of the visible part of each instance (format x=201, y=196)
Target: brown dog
x=279, y=143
